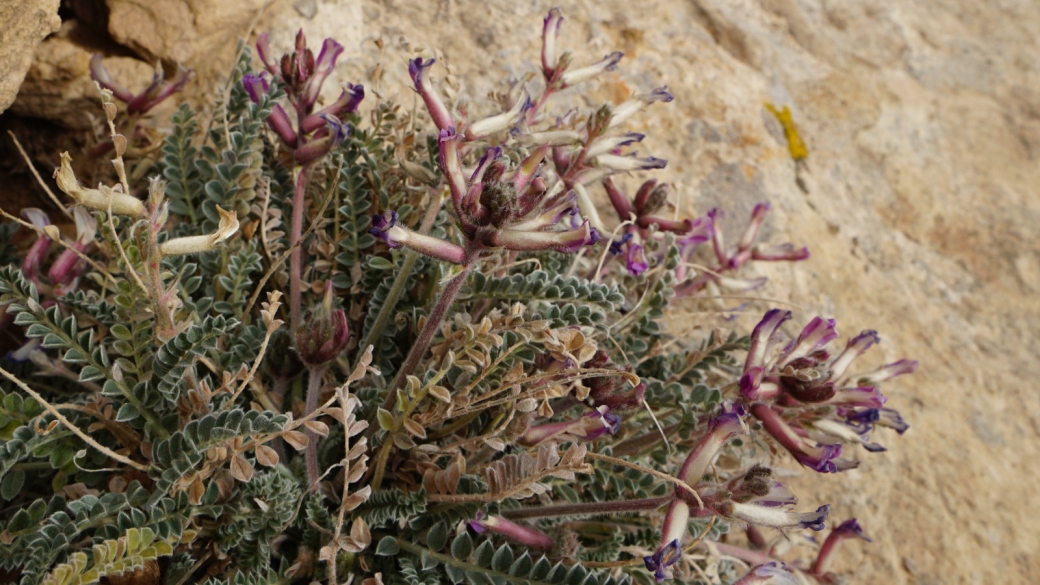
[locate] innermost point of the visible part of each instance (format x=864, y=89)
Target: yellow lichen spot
x=794, y=142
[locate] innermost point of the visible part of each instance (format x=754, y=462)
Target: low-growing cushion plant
x=292, y=344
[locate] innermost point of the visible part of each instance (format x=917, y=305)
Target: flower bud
x=324, y=333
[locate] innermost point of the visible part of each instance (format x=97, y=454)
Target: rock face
x=921, y=202
x=25, y=24
x=58, y=86
x=183, y=31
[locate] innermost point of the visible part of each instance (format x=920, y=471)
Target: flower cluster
x=302, y=75
x=157, y=91
x=806, y=398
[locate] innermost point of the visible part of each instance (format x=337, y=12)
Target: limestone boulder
x=25, y=24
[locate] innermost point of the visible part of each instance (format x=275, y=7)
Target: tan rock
x=191, y=32
x=25, y=24
x=58, y=86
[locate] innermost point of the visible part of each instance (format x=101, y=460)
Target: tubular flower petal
x=774, y=573
x=263, y=51
x=779, y=253
x=720, y=430
x=762, y=335
x=758, y=215
x=855, y=348
x=34, y=258
x=670, y=551
x=608, y=145
x=323, y=66
x=386, y=229
x=635, y=260
x=819, y=458
x=589, y=426
x=847, y=529
x=503, y=121
x=417, y=70
x=519, y=534
x=847, y=433
x=68, y=266
x=775, y=517
x=563, y=241
x=550, y=34
x=631, y=107
x=100, y=74
x=816, y=334
x=159, y=90
x=279, y=122
x=629, y=163
x=451, y=166
x=256, y=85
x=886, y=372
x=576, y=76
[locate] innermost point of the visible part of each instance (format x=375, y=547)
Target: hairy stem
x=296, y=257
x=314, y=374
x=411, y=256
x=422, y=343
x=588, y=508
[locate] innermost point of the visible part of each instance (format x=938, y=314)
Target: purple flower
x=846, y=530
x=774, y=573
x=323, y=66
x=68, y=267
x=816, y=334
x=758, y=215
x=665, y=557
x=629, y=163
x=528, y=537
x=720, y=430
x=589, y=426
x=550, y=34
x=775, y=517
x=325, y=332
x=417, y=70
x=576, y=76
x=157, y=91
x=256, y=86
x=779, y=253
x=817, y=457
x=386, y=228
x=635, y=260
x=38, y=252
x=615, y=246
x=630, y=108
x=669, y=552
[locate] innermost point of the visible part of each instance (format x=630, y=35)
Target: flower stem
x=390, y=304
x=296, y=258
x=315, y=374
x=422, y=343
x=588, y=508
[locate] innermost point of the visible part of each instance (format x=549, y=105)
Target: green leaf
x=127, y=413
x=438, y=536
x=388, y=547
x=90, y=373
x=386, y=420
x=462, y=546
x=12, y=484
x=121, y=331
x=380, y=263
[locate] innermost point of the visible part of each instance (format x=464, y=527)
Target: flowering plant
x=468, y=380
